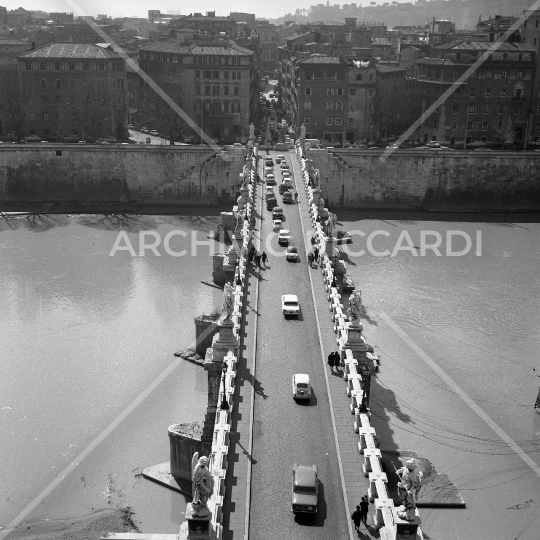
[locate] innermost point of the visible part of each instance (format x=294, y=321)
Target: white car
x=270, y=176
x=269, y=170
x=289, y=305
x=284, y=237
x=285, y=173
x=301, y=387
x=292, y=254
x=276, y=225
x=280, y=158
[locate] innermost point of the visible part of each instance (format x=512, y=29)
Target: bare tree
x=15, y=104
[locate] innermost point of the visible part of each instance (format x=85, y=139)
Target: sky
x=127, y=8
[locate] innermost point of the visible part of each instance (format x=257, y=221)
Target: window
x=307, y=105
x=236, y=91
x=501, y=108
x=536, y=23
x=455, y=108
x=207, y=90
x=31, y=116
x=86, y=66
x=43, y=83
x=488, y=92
x=197, y=106
x=520, y=75
x=329, y=121
x=309, y=74
x=215, y=90
x=454, y=125
x=471, y=108
x=225, y=90
x=369, y=105
x=207, y=74
x=517, y=109
x=339, y=91
x=307, y=121
x=338, y=121
x=351, y=105
x=236, y=107
x=329, y=106
x=175, y=59
x=371, y=76
x=503, y=92
x=215, y=74
x=308, y=91
x=535, y=41
x=489, y=74
x=197, y=73
x=197, y=89
x=484, y=126
x=473, y=92
x=329, y=91
x=350, y=120
x=57, y=66
x=505, y=56
x=225, y=74
x=504, y=75
x=71, y=66
x=469, y=126
x=537, y=127
x=486, y=109
x=45, y=116
x=358, y=76
x=352, y=91
x=339, y=106
x=44, y=99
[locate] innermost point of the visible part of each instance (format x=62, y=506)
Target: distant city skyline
x=139, y=8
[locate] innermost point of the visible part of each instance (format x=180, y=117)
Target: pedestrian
x=333, y=285
x=264, y=257
x=296, y=197
x=331, y=361
x=316, y=254
x=238, y=281
x=337, y=360
x=251, y=253
x=356, y=517
x=310, y=258
x=258, y=260
x=313, y=240
x=364, y=509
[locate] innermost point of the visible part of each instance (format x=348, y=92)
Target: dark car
x=283, y=188
x=72, y=139
x=305, y=489
x=271, y=203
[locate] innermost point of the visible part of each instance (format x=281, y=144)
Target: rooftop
x=320, y=59
x=226, y=49
x=70, y=50
x=466, y=45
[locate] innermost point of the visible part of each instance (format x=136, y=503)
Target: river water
x=83, y=336
x=88, y=373
x=459, y=339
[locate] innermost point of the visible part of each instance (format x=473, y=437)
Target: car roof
x=301, y=377
x=290, y=298
x=305, y=476
x=284, y=231
x=292, y=249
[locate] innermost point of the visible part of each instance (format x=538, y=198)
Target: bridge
x=253, y=427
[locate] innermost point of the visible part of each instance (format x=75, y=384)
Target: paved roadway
x=285, y=432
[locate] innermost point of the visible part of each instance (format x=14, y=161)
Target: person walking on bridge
x=264, y=257
x=356, y=516
x=364, y=509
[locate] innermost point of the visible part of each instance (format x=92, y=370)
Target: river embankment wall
x=429, y=179
x=177, y=175
x=194, y=175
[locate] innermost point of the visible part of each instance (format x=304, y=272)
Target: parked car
x=277, y=212
x=269, y=162
x=284, y=236
x=72, y=139
x=281, y=147
x=276, y=225
x=270, y=180
x=285, y=174
x=284, y=165
x=289, y=305
x=305, y=489
x=280, y=158
x=283, y=188
x=301, y=387
x=131, y=126
x=292, y=253
x=288, y=197
x=269, y=170
x=271, y=203
x=144, y=130
x=32, y=138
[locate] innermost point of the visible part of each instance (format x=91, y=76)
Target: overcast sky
x=127, y=8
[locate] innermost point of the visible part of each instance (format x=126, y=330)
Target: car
x=288, y=198
x=282, y=147
x=283, y=188
x=271, y=203
x=72, y=139
x=284, y=165
x=269, y=170
x=144, y=130
x=289, y=305
x=305, y=489
x=154, y=132
x=32, y=138
x=284, y=236
x=131, y=126
x=270, y=180
x=276, y=225
x=278, y=212
x=477, y=144
x=285, y=173
x=280, y=158
x=110, y=140
x=292, y=253
x=393, y=146
x=269, y=196
x=269, y=189
x=272, y=125
x=269, y=162
x=301, y=386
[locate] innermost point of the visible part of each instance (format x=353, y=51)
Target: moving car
x=288, y=197
x=284, y=236
x=292, y=253
x=277, y=213
x=282, y=146
x=289, y=305
x=301, y=389
x=305, y=489
x=280, y=158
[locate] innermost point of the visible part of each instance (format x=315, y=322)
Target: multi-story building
x=9, y=49
x=492, y=104
x=268, y=43
x=214, y=82
x=531, y=35
x=73, y=88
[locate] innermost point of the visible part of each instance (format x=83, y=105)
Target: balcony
x=518, y=99
x=438, y=80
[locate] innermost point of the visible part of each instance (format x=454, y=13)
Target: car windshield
x=304, y=489
x=302, y=385
x=290, y=303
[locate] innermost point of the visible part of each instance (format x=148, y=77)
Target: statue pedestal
x=356, y=344
x=404, y=528
x=198, y=528
x=226, y=341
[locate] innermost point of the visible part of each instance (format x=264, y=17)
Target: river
x=83, y=336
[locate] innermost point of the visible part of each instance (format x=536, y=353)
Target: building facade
x=214, y=83
x=73, y=89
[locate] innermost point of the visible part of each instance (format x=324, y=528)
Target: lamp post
x=366, y=375
x=224, y=405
